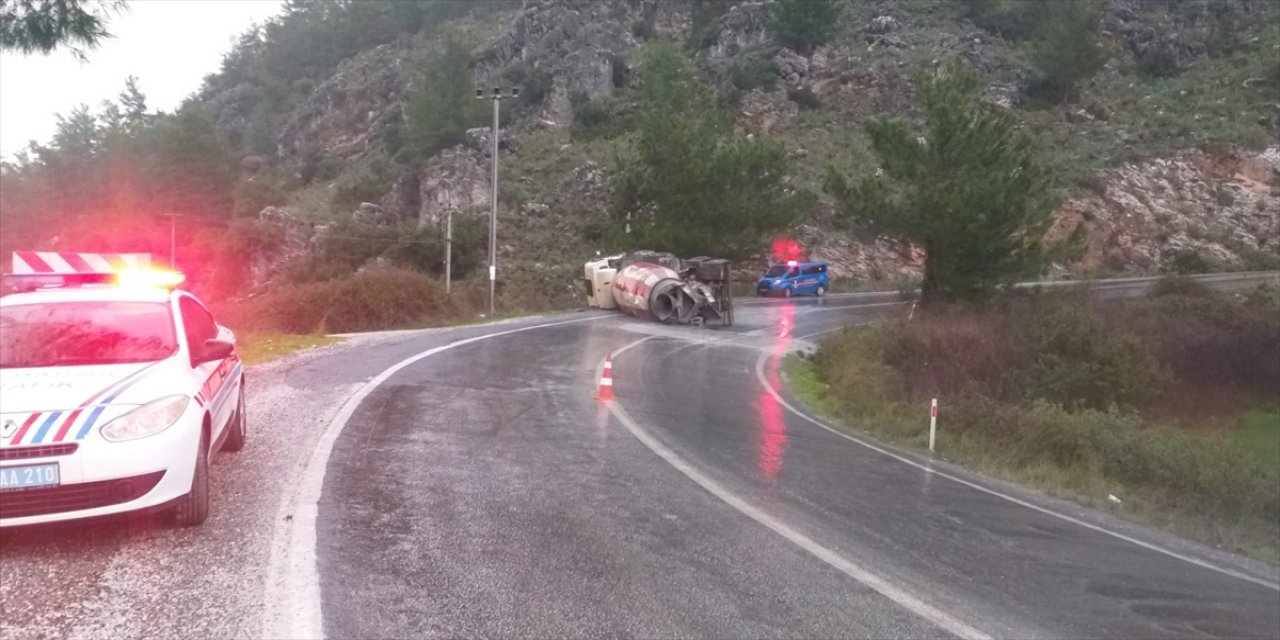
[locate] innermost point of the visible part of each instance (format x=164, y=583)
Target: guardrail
x=1225, y=281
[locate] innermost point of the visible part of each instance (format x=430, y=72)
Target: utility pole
x=448, y=251
x=173, y=241
x=496, y=96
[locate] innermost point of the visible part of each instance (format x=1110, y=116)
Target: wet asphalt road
x=484, y=492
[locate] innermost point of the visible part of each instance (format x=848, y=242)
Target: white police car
x=112, y=398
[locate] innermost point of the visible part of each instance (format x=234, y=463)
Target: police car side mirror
x=211, y=350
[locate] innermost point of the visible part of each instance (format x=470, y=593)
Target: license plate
x=29, y=476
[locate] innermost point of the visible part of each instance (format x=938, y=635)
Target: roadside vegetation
x=1170, y=403
x=258, y=348
x=968, y=187
x=691, y=185
x=661, y=151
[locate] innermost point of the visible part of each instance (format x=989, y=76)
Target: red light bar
x=792, y=263
x=149, y=278
x=131, y=278
x=33, y=281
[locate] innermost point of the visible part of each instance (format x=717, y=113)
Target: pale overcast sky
x=170, y=45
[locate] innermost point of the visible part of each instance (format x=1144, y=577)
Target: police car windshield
x=775, y=271
x=62, y=334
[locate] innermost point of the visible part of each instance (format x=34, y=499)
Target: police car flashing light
x=114, y=391
x=128, y=277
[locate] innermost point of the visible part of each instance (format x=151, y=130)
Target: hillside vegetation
x=336, y=138
x=1162, y=409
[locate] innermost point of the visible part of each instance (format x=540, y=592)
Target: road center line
x=292, y=590
x=858, y=573
x=1004, y=496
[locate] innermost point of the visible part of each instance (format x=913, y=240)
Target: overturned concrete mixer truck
x=659, y=286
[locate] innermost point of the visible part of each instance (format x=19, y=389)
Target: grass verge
x=1231, y=525
x=1259, y=435
x=1054, y=396
x=257, y=348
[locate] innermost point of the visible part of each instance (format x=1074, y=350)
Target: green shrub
x=588, y=113
x=534, y=84
x=804, y=25
x=443, y=106
x=422, y=249
x=313, y=268
x=1212, y=343
x=947, y=354
x=352, y=189
x=253, y=195
x=1188, y=262
x=619, y=71
x=1039, y=391
x=805, y=98
x=1079, y=361
x=1260, y=260
x=1160, y=60
x=753, y=72
x=1175, y=286
x=366, y=301
x=315, y=166
x=1066, y=48
x=344, y=247
x=643, y=30
x=1013, y=19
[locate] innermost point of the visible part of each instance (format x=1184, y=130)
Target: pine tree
x=41, y=26
x=969, y=190
x=804, y=25
x=1066, y=47
x=689, y=184
x=443, y=105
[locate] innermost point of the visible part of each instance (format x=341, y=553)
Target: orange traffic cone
x=606, y=380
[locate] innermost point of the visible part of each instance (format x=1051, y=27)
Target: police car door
x=199, y=326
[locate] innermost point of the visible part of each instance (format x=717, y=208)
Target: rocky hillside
x=1167, y=154
x=309, y=144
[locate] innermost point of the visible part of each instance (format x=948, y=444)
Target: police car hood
x=69, y=388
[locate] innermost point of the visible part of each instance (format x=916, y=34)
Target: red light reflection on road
x=773, y=428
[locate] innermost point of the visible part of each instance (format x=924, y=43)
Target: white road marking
x=1004, y=496
x=882, y=586
x=292, y=593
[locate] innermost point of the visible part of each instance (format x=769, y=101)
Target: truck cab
x=794, y=278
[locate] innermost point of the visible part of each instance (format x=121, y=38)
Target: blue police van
x=794, y=278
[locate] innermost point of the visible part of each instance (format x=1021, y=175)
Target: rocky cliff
x=1147, y=187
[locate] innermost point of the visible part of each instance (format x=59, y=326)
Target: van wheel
x=822, y=291
x=194, y=507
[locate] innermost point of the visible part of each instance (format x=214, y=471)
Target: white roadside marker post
x=933, y=423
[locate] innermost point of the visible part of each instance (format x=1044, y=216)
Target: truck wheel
x=822, y=291
x=194, y=507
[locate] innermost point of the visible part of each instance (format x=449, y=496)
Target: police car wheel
x=822, y=291
x=238, y=429
x=194, y=507
x=786, y=293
